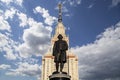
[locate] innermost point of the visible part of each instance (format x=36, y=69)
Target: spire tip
x=60, y=12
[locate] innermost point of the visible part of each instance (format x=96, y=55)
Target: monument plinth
x=59, y=76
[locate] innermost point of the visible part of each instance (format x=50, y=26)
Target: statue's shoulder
x=64, y=41
x=56, y=42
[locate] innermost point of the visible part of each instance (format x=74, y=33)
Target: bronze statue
x=59, y=51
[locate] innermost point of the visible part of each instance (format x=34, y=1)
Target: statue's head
x=60, y=36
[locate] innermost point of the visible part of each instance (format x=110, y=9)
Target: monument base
x=59, y=76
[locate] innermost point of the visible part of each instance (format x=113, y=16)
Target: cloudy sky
x=26, y=27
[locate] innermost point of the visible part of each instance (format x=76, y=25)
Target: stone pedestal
x=59, y=76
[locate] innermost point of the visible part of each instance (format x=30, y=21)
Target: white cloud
x=36, y=40
x=1, y=12
x=36, y=37
x=67, y=15
x=26, y=69
x=23, y=19
x=45, y=14
x=28, y=60
x=3, y=40
x=8, y=46
x=9, y=53
x=10, y=13
x=4, y=66
x=100, y=60
x=4, y=25
x=115, y=2
x=19, y=2
x=90, y=6
x=72, y=2
x=7, y=2
x=78, y=1
x=64, y=9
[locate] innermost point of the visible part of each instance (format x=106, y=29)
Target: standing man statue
x=59, y=52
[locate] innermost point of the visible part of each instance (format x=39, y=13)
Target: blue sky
x=26, y=27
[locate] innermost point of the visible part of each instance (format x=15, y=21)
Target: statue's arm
x=54, y=48
x=66, y=45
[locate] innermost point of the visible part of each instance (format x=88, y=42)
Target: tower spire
x=60, y=12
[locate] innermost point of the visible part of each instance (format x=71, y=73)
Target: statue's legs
x=57, y=66
x=61, y=66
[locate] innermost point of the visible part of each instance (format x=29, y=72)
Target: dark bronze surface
x=59, y=51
